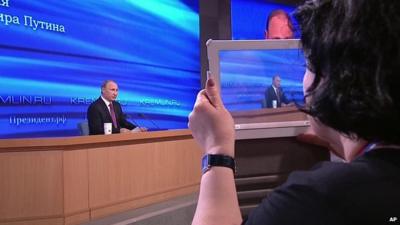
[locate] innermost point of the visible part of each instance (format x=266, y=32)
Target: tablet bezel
x=215, y=46
x=254, y=130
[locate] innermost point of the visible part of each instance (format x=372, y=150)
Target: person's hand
x=291, y=104
x=288, y=105
x=124, y=130
x=211, y=124
x=138, y=129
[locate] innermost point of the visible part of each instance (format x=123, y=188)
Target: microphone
x=147, y=118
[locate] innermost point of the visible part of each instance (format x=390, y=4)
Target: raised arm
x=213, y=128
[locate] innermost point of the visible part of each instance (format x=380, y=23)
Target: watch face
x=204, y=164
x=209, y=161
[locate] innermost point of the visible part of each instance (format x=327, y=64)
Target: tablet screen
x=247, y=76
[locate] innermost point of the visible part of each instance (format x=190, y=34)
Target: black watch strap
x=210, y=160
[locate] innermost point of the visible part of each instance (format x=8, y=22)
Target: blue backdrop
x=54, y=56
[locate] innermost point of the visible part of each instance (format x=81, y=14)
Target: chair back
x=83, y=128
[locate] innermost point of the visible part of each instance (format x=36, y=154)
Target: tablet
x=244, y=71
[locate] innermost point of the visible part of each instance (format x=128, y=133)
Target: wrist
x=217, y=160
x=221, y=150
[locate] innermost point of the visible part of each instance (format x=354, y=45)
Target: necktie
x=278, y=95
x=112, y=112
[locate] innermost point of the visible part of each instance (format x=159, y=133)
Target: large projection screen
x=54, y=56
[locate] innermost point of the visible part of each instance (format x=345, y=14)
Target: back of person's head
x=281, y=28
x=353, y=47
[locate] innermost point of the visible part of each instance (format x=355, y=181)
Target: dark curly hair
x=353, y=47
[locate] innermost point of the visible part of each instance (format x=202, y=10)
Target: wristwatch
x=210, y=160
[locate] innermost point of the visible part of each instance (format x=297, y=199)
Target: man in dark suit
x=275, y=93
x=106, y=110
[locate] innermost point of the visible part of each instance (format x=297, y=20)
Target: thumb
x=213, y=93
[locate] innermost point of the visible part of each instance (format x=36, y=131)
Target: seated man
x=275, y=93
x=106, y=110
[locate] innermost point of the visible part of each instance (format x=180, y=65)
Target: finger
x=201, y=98
x=213, y=93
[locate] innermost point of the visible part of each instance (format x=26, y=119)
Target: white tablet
x=244, y=71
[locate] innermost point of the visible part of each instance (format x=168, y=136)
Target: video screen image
x=54, y=55
x=246, y=76
x=249, y=18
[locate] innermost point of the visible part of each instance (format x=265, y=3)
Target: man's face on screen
x=278, y=28
x=110, y=91
x=277, y=82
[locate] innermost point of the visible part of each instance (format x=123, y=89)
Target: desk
x=268, y=115
x=269, y=123
x=76, y=179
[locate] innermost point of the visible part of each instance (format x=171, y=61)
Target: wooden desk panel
x=123, y=176
x=31, y=185
x=76, y=179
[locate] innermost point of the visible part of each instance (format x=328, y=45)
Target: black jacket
x=270, y=95
x=365, y=191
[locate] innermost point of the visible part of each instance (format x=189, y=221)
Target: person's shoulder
x=377, y=172
x=321, y=177
x=117, y=103
x=368, y=168
x=336, y=193
x=95, y=103
x=384, y=154
x=300, y=200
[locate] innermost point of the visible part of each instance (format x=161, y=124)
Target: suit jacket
x=270, y=95
x=98, y=114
